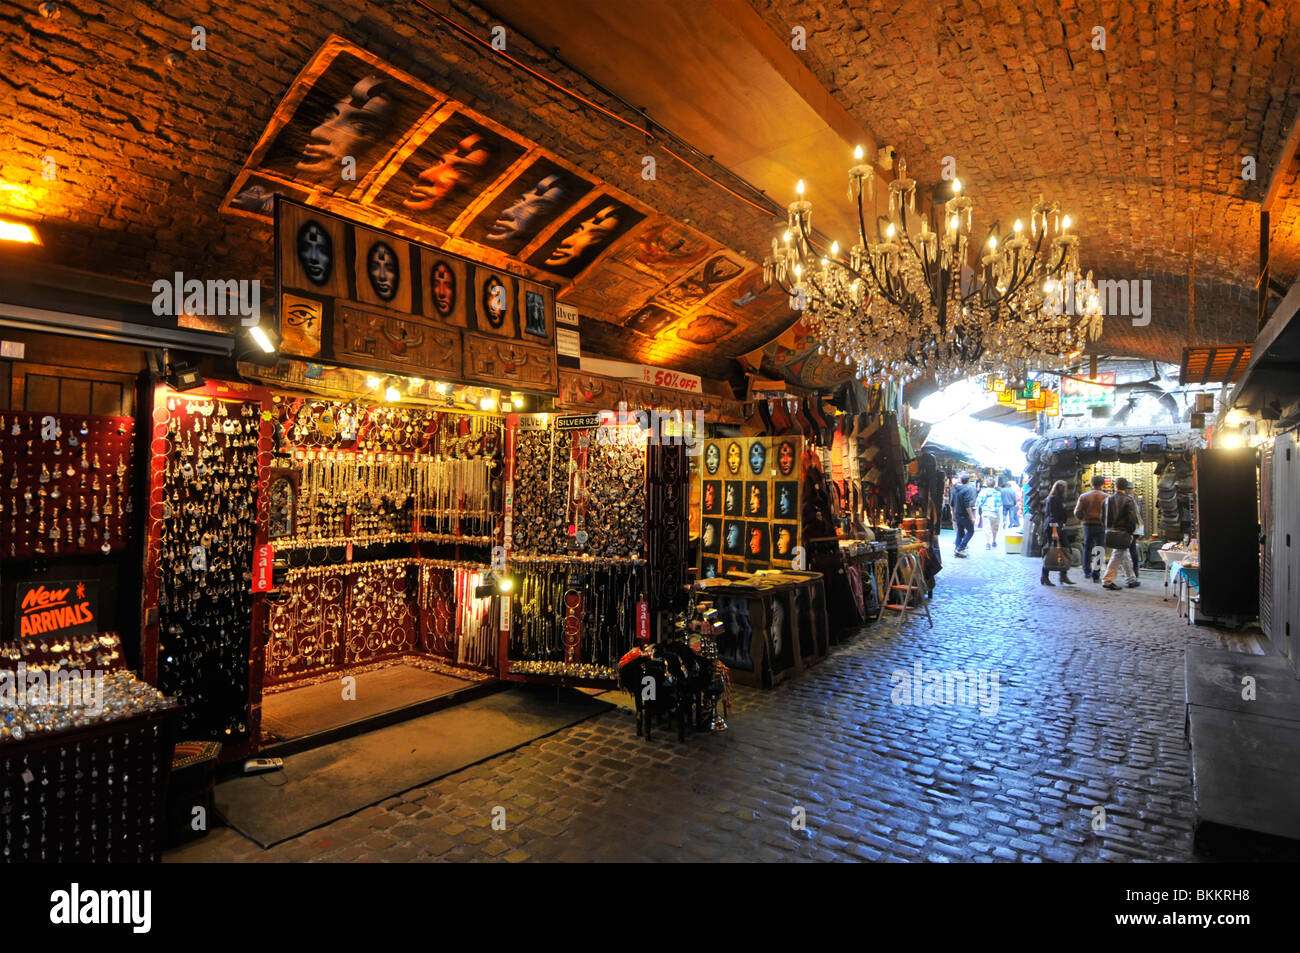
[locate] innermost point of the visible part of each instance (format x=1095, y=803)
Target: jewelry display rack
x=598, y=543
x=66, y=484
x=81, y=783
x=205, y=523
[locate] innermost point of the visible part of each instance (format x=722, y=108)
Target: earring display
x=209, y=515
x=381, y=613
x=579, y=492
x=65, y=484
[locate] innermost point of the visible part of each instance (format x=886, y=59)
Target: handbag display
x=1087, y=450
x=1154, y=443
x=1108, y=449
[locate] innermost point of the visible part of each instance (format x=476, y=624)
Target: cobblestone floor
x=1089, y=715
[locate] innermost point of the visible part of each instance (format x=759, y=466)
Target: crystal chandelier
x=911, y=302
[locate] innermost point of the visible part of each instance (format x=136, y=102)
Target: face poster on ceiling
x=451, y=168
x=312, y=250
x=532, y=200
x=354, y=113
x=585, y=236
x=255, y=196
x=705, y=281
x=382, y=270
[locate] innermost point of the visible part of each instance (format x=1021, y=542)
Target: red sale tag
x=262, y=568
x=642, y=622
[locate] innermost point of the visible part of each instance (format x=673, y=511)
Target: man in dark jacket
x=1121, y=521
x=963, y=513
x=1088, y=511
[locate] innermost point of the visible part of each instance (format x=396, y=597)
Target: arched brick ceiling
x=144, y=150
x=1142, y=143
x=1130, y=140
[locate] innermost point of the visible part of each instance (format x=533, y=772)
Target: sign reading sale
x=66, y=607
x=264, y=568
x=658, y=377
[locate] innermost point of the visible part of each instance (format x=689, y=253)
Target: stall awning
x=1007, y=414
x=1220, y=364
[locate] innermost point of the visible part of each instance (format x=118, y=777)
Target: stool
x=904, y=579
x=192, y=782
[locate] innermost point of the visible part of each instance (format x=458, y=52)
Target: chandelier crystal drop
x=914, y=301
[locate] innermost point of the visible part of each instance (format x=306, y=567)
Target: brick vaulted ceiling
x=1142, y=142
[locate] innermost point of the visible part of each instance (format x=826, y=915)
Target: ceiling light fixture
x=18, y=232
x=912, y=301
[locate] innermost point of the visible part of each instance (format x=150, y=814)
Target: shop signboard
x=360, y=297
x=56, y=609
x=1079, y=396
x=577, y=422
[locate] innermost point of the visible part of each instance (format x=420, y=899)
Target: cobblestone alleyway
x=1089, y=714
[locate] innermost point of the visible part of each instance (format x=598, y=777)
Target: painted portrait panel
x=585, y=236
x=383, y=270
x=353, y=115
x=494, y=302
x=460, y=158
x=444, y=287
x=312, y=250
x=532, y=200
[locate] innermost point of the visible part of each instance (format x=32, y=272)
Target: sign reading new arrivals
x=59, y=608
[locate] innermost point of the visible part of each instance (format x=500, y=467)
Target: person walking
x=1120, y=517
x=1054, y=528
x=1088, y=511
x=963, y=513
x=1010, y=504
x=989, y=504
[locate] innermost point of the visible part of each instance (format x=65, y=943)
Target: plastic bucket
x=1013, y=541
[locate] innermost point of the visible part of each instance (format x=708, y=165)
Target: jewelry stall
x=596, y=544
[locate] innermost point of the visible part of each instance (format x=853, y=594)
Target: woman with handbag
x=1055, y=556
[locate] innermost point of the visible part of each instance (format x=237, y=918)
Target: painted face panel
x=712, y=458
x=534, y=207
x=383, y=269
x=315, y=252
x=785, y=458
x=757, y=457
x=590, y=234
x=444, y=288
x=733, y=457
